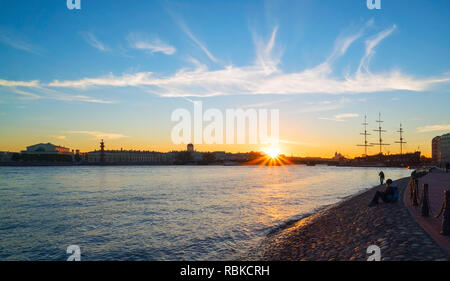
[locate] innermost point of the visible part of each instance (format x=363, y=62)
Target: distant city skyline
x=118, y=70
x=266, y=150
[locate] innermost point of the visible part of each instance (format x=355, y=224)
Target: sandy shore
x=344, y=231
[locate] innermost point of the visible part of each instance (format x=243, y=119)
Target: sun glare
x=272, y=152
x=272, y=156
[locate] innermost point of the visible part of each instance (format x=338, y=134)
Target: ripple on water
x=162, y=213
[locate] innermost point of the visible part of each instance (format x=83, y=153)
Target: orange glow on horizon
x=272, y=157
x=324, y=150
x=272, y=151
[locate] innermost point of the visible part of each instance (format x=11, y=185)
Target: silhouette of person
x=388, y=195
x=381, y=174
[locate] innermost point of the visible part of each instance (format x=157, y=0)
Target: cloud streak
x=58, y=137
x=370, y=46
x=340, y=117
x=100, y=135
x=265, y=57
x=60, y=96
x=155, y=45
x=188, y=32
x=34, y=90
x=9, y=83
x=26, y=94
x=342, y=43
x=263, y=77
x=202, y=82
x=434, y=128
x=94, y=42
x=18, y=43
x=324, y=106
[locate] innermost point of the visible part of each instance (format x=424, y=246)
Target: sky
x=118, y=69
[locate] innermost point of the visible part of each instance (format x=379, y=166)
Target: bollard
x=411, y=188
x=425, y=202
x=415, y=200
x=445, y=211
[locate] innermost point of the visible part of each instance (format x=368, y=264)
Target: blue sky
x=117, y=69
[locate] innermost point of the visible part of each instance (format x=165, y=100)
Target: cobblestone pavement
x=343, y=232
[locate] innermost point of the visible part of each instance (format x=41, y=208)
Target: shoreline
x=68, y=164
x=317, y=212
x=344, y=230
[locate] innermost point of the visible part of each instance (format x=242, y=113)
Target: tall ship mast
x=379, y=130
x=401, y=142
x=365, y=134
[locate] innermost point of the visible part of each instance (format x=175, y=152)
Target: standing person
x=381, y=174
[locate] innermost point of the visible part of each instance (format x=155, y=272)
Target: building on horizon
x=46, y=148
x=6, y=156
x=130, y=156
x=436, y=149
x=44, y=152
x=440, y=146
x=338, y=157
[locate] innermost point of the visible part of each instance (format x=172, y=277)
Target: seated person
x=390, y=194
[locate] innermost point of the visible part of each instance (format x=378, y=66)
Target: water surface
x=162, y=212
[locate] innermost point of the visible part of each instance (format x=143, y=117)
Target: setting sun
x=272, y=152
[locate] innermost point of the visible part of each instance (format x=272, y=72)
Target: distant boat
x=310, y=164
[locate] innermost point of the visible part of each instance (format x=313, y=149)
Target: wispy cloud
x=433, y=128
x=100, y=135
x=58, y=95
x=202, y=46
x=370, y=46
x=92, y=40
x=126, y=80
x=26, y=94
x=253, y=81
x=154, y=45
x=265, y=77
x=34, y=90
x=58, y=137
x=265, y=56
x=16, y=42
x=81, y=98
x=324, y=106
x=343, y=42
x=346, y=115
x=10, y=83
x=340, y=117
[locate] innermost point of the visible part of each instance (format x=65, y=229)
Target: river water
x=162, y=212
